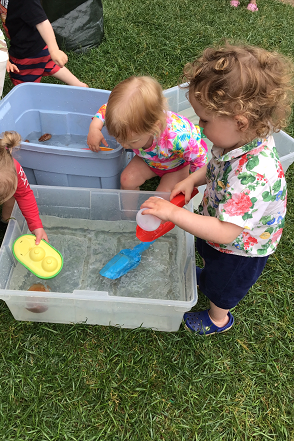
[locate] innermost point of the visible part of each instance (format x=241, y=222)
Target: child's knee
x=129, y=179
x=124, y=178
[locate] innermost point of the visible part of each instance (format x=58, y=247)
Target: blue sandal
x=201, y=323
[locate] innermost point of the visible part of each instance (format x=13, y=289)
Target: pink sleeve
x=196, y=154
x=25, y=198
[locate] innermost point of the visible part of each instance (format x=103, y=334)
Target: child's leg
x=169, y=180
x=67, y=77
x=32, y=69
x=218, y=315
x=7, y=209
x=225, y=280
x=135, y=174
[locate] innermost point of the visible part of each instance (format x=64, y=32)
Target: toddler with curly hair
x=242, y=94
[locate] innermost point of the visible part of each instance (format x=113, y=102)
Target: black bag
x=78, y=24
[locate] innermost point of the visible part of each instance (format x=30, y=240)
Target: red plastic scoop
x=148, y=236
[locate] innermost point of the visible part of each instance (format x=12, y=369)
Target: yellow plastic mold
x=43, y=260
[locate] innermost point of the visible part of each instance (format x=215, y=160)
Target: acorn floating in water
x=35, y=307
x=45, y=137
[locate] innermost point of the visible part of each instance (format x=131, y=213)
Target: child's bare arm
x=95, y=136
x=46, y=31
x=186, y=186
x=204, y=227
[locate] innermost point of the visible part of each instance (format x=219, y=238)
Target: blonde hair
x=136, y=105
x=8, y=176
x=244, y=80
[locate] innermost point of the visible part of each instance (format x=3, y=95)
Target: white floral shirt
x=247, y=187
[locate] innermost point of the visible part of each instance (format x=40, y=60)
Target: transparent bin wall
x=94, y=307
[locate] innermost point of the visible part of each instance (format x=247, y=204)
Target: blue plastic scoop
x=124, y=261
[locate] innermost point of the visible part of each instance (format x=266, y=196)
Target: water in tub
x=87, y=245
x=67, y=140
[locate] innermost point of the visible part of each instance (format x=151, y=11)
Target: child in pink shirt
x=165, y=144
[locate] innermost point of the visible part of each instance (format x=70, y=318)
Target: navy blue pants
x=226, y=278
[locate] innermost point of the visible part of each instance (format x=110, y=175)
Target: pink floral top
x=179, y=143
x=247, y=187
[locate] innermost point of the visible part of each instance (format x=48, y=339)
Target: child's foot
x=252, y=7
x=234, y=3
x=201, y=323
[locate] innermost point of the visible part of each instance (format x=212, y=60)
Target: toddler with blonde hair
x=165, y=144
x=14, y=186
x=242, y=94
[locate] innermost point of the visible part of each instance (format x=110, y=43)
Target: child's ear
x=242, y=122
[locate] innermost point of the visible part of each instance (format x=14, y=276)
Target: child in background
x=165, y=144
x=252, y=6
x=14, y=186
x=242, y=94
x=33, y=51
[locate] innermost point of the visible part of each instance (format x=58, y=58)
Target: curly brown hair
x=243, y=80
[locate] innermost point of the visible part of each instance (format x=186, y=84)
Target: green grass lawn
x=79, y=382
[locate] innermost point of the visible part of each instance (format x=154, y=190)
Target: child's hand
x=159, y=207
x=186, y=187
x=40, y=234
x=59, y=57
x=94, y=139
x=10, y=67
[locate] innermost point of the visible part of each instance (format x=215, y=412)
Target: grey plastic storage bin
x=66, y=113
x=74, y=213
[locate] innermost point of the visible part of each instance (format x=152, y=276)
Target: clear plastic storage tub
x=89, y=227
